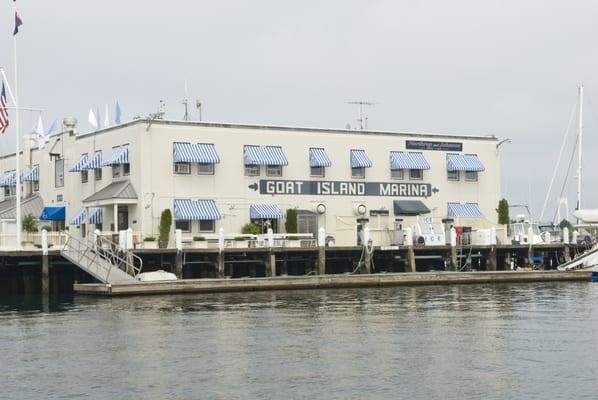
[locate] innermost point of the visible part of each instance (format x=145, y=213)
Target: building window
x=7, y=191
x=207, y=225
x=452, y=175
x=59, y=173
x=59, y=198
x=318, y=172
x=397, y=174
x=471, y=176
x=115, y=171
x=205, y=169
x=84, y=176
x=97, y=174
x=36, y=186
x=358, y=172
x=184, y=226
x=274, y=170
x=126, y=169
x=182, y=168
x=416, y=174
x=252, y=170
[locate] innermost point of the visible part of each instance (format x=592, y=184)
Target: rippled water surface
x=449, y=342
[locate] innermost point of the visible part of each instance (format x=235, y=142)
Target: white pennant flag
x=93, y=121
x=106, y=119
x=39, y=130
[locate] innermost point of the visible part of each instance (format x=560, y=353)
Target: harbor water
x=451, y=342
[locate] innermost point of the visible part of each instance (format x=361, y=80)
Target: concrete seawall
x=326, y=282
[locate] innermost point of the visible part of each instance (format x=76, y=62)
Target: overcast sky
x=503, y=67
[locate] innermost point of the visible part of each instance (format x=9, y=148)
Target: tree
x=250, y=229
x=29, y=223
x=566, y=224
x=290, y=224
x=165, y=225
x=503, y=212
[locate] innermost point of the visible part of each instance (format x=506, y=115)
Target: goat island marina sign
x=344, y=188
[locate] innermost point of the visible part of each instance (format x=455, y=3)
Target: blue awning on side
x=359, y=159
x=408, y=160
x=195, y=210
x=265, y=211
x=201, y=153
x=467, y=210
x=32, y=175
x=94, y=218
x=53, y=214
x=94, y=162
x=464, y=162
x=120, y=155
x=319, y=158
x=78, y=166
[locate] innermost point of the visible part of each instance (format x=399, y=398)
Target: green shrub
x=240, y=238
x=250, y=229
x=29, y=223
x=199, y=238
x=292, y=238
x=503, y=212
x=149, y=239
x=165, y=225
x=290, y=224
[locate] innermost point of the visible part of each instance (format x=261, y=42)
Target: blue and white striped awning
x=94, y=162
x=265, y=211
x=464, y=162
x=359, y=159
x=32, y=175
x=267, y=155
x=199, y=210
x=120, y=155
x=78, y=166
x=467, y=210
x=8, y=179
x=94, y=218
x=318, y=158
x=408, y=160
x=201, y=153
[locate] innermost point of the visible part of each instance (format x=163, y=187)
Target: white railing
x=31, y=240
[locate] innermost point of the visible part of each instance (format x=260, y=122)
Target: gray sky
x=503, y=67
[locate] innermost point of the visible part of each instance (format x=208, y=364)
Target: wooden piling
x=178, y=265
x=410, y=266
x=491, y=261
x=220, y=265
x=453, y=264
x=271, y=264
x=367, y=262
x=321, y=260
x=45, y=275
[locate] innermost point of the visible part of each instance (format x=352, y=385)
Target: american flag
x=3, y=111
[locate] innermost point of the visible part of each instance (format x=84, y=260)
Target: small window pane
x=252, y=170
x=59, y=173
x=84, y=176
x=182, y=168
x=452, y=175
x=115, y=171
x=36, y=186
x=471, y=176
x=317, y=172
x=397, y=174
x=358, y=172
x=205, y=169
x=274, y=170
x=126, y=169
x=184, y=226
x=98, y=174
x=416, y=174
x=206, y=225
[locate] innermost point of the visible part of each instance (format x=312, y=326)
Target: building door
x=307, y=222
x=123, y=218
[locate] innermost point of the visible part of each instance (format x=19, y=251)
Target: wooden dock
x=326, y=282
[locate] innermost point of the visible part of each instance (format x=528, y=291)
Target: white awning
x=265, y=211
x=195, y=210
x=94, y=162
x=408, y=160
x=319, y=158
x=201, y=153
x=32, y=175
x=467, y=210
x=359, y=159
x=464, y=162
x=8, y=179
x=94, y=218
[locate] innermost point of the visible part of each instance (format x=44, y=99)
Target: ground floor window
x=207, y=225
x=452, y=175
x=317, y=172
x=471, y=176
x=36, y=186
x=98, y=174
x=416, y=174
x=358, y=172
x=397, y=174
x=274, y=170
x=184, y=226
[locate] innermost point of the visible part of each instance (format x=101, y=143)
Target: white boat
x=589, y=216
x=156, y=276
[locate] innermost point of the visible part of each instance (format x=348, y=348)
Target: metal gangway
x=102, y=258
x=578, y=262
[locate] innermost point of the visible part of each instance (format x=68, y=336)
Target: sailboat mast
x=579, y=146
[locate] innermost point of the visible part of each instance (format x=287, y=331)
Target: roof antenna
x=185, y=103
x=362, y=119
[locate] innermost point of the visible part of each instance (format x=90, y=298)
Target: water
x=532, y=341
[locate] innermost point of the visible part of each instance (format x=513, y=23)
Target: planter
x=162, y=244
x=150, y=245
x=241, y=244
x=200, y=244
x=292, y=243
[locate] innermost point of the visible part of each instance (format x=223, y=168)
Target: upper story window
x=205, y=169
x=359, y=162
x=252, y=170
x=271, y=156
x=119, y=161
x=471, y=176
x=97, y=174
x=318, y=161
x=397, y=174
x=182, y=168
x=414, y=162
x=126, y=169
x=469, y=164
x=274, y=170
x=452, y=175
x=358, y=172
x=416, y=174
x=59, y=173
x=116, y=171
x=183, y=225
x=84, y=176
x=202, y=154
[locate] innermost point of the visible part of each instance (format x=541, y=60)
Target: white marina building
x=216, y=175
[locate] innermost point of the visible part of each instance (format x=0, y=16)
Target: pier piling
x=45, y=275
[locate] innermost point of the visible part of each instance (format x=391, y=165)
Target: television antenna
x=185, y=103
x=362, y=119
x=198, y=106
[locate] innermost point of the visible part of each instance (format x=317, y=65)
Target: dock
x=326, y=282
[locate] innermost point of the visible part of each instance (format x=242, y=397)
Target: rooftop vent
x=69, y=124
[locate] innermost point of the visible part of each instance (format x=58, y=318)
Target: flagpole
x=17, y=141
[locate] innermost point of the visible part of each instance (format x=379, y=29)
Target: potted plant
x=149, y=242
x=292, y=241
x=165, y=226
x=199, y=242
x=241, y=242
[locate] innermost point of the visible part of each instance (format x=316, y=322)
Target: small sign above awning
x=464, y=162
x=467, y=210
x=195, y=210
x=201, y=153
x=408, y=160
x=410, y=207
x=120, y=155
x=319, y=158
x=265, y=211
x=53, y=214
x=359, y=159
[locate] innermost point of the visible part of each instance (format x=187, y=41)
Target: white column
x=115, y=218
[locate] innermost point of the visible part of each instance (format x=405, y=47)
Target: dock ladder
x=102, y=259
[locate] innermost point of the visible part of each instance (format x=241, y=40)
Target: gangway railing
x=578, y=263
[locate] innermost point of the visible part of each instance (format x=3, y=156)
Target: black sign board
x=440, y=146
x=344, y=188
x=383, y=213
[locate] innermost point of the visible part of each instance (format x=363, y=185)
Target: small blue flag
x=117, y=114
x=52, y=127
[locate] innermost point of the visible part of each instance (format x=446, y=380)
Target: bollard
x=178, y=239
x=453, y=241
x=321, y=251
x=221, y=239
x=410, y=265
x=574, y=239
x=566, y=250
x=270, y=238
x=129, y=239
x=122, y=239
x=566, y=235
